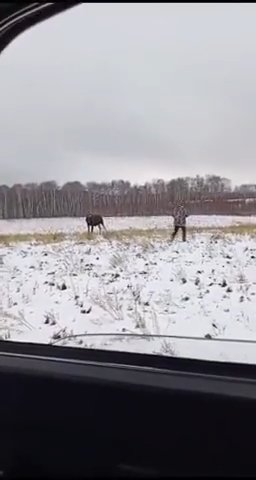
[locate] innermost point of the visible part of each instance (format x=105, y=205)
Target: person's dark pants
x=176, y=229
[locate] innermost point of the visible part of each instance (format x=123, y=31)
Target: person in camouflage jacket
x=180, y=215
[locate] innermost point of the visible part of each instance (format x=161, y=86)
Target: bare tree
x=204, y=195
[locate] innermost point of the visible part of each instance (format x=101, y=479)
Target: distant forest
x=207, y=195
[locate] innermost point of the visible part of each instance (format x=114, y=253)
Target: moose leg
x=99, y=228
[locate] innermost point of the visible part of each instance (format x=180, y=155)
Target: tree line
x=211, y=194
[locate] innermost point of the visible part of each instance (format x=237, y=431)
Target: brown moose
x=94, y=221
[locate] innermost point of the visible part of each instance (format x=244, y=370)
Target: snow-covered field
x=71, y=225
x=205, y=288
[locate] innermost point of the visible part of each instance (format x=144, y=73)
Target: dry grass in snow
x=57, y=285
x=74, y=225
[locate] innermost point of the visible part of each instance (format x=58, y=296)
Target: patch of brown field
x=241, y=229
x=164, y=233
x=41, y=238
x=126, y=235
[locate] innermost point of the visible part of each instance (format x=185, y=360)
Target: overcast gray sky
x=133, y=91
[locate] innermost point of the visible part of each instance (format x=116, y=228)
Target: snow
x=71, y=225
x=203, y=288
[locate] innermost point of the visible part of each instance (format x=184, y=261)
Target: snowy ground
x=205, y=288
x=71, y=225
